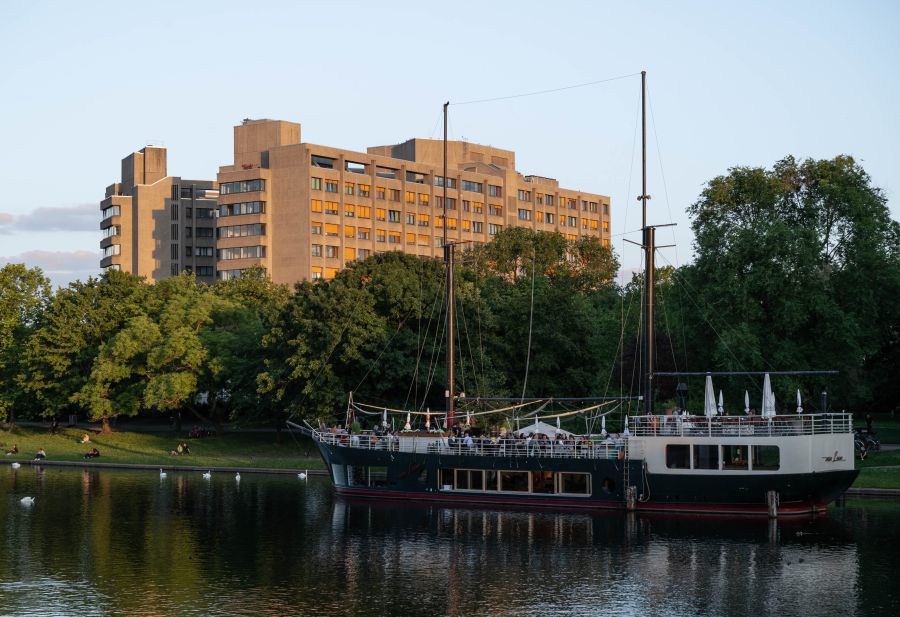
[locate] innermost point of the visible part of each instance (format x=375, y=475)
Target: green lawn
x=253, y=450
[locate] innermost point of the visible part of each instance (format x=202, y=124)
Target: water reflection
x=133, y=543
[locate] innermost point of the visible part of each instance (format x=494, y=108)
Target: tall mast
x=448, y=260
x=649, y=246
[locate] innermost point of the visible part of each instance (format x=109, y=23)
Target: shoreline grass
x=247, y=450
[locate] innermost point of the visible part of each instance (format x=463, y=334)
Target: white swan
x=207, y=475
x=237, y=477
x=27, y=501
x=16, y=465
x=162, y=474
x=302, y=475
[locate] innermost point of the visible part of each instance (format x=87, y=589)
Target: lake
x=104, y=542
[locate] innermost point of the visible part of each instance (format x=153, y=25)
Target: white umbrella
x=768, y=401
x=746, y=402
x=721, y=407
x=799, y=402
x=557, y=422
x=408, y=425
x=468, y=419
x=626, y=431
x=427, y=419
x=709, y=399
x=603, y=426
x=384, y=419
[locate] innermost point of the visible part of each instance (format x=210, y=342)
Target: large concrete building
x=304, y=211
x=155, y=225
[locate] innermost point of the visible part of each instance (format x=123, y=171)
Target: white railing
x=584, y=448
x=741, y=426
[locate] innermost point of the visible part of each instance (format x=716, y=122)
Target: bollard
x=631, y=498
x=772, y=502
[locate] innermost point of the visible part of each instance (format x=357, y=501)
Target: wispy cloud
x=83, y=217
x=61, y=267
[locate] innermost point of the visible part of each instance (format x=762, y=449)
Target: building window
x=451, y=203
x=494, y=229
x=524, y=215
x=315, y=184
x=111, y=231
x=315, y=205
x=573, y=204
x=349, y=188
x=424, y=220
x=330, y=252
x=477, y=227
x=242, y=252
x=494, y=210
x=423, y=240
x=331, y=207
x=394, y=216
x=548, y=199
x=173, y=211
x=248, y=207
x=551, y=217
x=349, y=210
x=332, y=229
x=410, y=238
x=380, y=214
x=174, y=234
x=539, y=216
x=362, y=254
x=584, y=205
x=573, y=221
x=439, y=181
x=331, y=186
x=205, y=271
x=203, y=232
x=524, y=195
x=316, y=229
x=349, y=253
x=394, y=237
x=330, y=273
x=379, y=192
x=410, y=218
x=364, y=212
x=592, y=206
x=395, y=194
x=605, y=208
x=204, y=213
x=244, y=186
x=477, y=207
x=173, y=252
x=173, y=269
x=316, y=273
x=495, y=191
x=240, y=231
x=595, y=224
x=202, y=251
x=466, y=205
x=364, y=190
x=474, y=187
x=539, y=198
x=364, y=233
x=316, y=250
x=349, y=231
x=112, y=249
x=380, y=235
x=188, y=232
x=111, y=211
x=410, y=197
x=423, y=199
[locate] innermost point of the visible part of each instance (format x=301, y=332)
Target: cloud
x=61, y=267
x=83, y=217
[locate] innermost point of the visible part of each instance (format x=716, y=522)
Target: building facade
x=304, y=211
x=155, y=225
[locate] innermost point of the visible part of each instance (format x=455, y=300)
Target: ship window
x=542, y=482
x=678, y=456
x=575, y=483
x=734, y=457
x=446, y=479
x=339, y=472
x=766, y=458
x=462, y=479
x=706, y=457
x=356, y=475
x=378, y=476
x=514, y=481
x=490, y=480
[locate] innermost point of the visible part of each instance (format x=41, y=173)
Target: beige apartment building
x=304, y=211
x=155, y=225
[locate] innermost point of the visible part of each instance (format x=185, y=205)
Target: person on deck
x=468, y=441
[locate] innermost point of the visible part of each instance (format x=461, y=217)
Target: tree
x=24, y=296
x=796, y=267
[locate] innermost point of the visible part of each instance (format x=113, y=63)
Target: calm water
x=130, y=543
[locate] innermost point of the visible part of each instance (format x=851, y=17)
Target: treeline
x=796, y=267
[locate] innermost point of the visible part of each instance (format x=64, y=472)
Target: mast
x=649, y=246
x=448, y=260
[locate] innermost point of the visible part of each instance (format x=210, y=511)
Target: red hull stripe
x=793, y=509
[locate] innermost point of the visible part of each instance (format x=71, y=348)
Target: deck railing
x=585, y=448
x=741, y=426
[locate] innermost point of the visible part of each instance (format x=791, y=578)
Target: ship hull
x=429, y=477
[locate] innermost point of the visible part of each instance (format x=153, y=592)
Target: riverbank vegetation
x=795, y=267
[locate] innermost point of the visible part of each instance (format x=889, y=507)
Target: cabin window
x=470, y=479
x=766, y=458
x=514, y=481
x=542, y=482
x=339, y=472
x=678, y=456
x=706, y=457
x=446, y=478
x=366, y=476
x=734, y=457
x=575, y=483
x=490, y=480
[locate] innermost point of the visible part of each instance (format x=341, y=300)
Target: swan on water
x=16, y=465
x=237, y=477
x=162, y=474
x=207, y=475
x=27, y=501
x=302, y=475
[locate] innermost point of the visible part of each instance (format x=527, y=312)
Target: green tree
x=24, y=296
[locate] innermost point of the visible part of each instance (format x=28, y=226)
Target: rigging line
x=530, y=321
x=420, y=349
x=538, y=92
x=465, y=327
x=662, y=172
x=437, y=123
x=478, y=320
x=458, y=333
x=663, y=303
x=439, y=336
x=384, y=349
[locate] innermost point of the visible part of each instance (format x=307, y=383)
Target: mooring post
x=772, y=502
x=631, y=498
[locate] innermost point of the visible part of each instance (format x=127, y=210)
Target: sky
x=730, y=85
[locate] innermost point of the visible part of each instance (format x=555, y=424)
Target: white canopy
x=799, y=402
x=709, y=399
x=721, y=407
x=545, y=429
x=746, y=402
x=768, y=401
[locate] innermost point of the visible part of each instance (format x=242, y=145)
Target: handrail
x=741, y=426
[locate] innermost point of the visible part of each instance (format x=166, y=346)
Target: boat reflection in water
x=514, y=562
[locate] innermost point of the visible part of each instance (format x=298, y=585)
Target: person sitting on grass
x=85, y=438
x=13, y=450
x=94, y=453
x=41, y=455
x=181, y=450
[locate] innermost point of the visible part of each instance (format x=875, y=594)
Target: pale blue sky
x=731, y=84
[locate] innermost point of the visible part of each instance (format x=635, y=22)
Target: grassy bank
x=251, y=450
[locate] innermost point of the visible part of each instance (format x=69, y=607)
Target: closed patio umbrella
x=709, y=398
